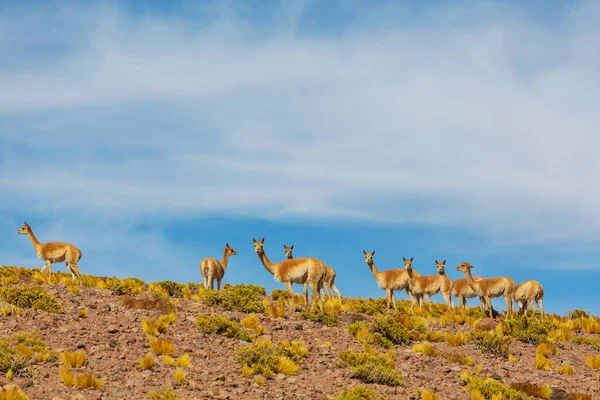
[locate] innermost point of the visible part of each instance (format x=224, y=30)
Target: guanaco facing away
x=529, y=292
x=328, y=281
x=430, y=285
x=297, y=270
x=490, y=287
x=212, y=269
x=53, y=252
x=390, y=280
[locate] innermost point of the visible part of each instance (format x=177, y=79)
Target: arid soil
x=114, y=341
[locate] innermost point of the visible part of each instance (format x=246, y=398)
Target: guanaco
x=297, y=270
x=53, y=252
x=212, y=269
x=529, y=292
x=490, y=287
x=328, y=282
x=430, y=285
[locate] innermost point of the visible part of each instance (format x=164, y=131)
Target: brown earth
x=114, y=341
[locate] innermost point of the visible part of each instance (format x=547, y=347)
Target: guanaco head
x=440, y=266
x=230, y=250
x=407, y=263
x=464, y=267
x=258, y=246
x=24, y=229
x=369, y=257
x=288, y=251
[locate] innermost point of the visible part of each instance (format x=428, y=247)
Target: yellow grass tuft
x=168, y=360
x=429, y=395
x=246, y=370
x=67, y=376
x=24, y=351
x=456, y=340
x=512, y=358
x=546, y=349
x=147, y=362
x=543, y=363
x=426, y=348
x=9, y=374
x=154, y=327
x=565, y=369
x=259, y=381
x=332, y=304
x=161, y=346
x=287, y=366
x=184, y=361
x=593, y=362
x=251, y=323
x=82, y=381
x=81, y=312
x=75, y=359
x=562, y=334
x=476, y=395
x=273, y=311
x=179, y=376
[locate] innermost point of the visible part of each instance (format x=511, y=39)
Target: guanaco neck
x=409, y=272
x=470, y=280
x=266, y=262
x=290, y=256
x=225, y=258
x=36, y=243
x=374, y=269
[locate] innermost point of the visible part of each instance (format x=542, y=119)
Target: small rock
x=113, y=329
x=298, y=327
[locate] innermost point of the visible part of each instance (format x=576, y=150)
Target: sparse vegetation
x=75, y=359
x=147, y=362
x=326, y=317
x=30, y=297
x=154, y=327
x=371, y=368
x=179, y=376
x=184, y=361
x=360, y=393
x=427, y=349
x=167, y=394
x=266, y=359
x=528, y=330
x=566, y=369
x=488, y=387
x=490, y=342
x=540, y=392
x=244, y=298
x=161, y=346
x=81, y=381
x=251, y=323
x=221, y=326
x=593, y=362
x=591, y=341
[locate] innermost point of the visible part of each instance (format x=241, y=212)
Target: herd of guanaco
x=320, y=277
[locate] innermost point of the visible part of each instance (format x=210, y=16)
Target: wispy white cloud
x=477, y=117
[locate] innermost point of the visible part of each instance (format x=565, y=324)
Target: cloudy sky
x=151, y=135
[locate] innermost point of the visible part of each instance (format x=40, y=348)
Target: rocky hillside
x=124, y=339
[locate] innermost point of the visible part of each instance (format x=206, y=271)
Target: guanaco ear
x=411, y=259
x=373, y=253
x=436, y=261
x=254, y=240
x=364, y=252
x=444, y=262
x=227, y=245
x=284, y=247
x=292, y=248
x=263, y=240
x=403, y=259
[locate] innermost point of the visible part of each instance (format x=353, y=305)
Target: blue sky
x=150, y=135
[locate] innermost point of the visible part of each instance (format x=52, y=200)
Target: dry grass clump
x=540, y=392
x=565, y=369
x=590, y=325
x=81, y=381
x=37, y=346
x=154, y=327
x=328, y=318
x=147, y=362
x=179, y=376
x=75, y=359
x=430, y=336
x=427, y=349
x=490, y=342
x=161, y=346
x=30, y=297
x=456, y=340
x=251, y=323
x=385, y=331
x=428, y=394
x=221, y=326
x=161, y=304
x=459, y=316
x=369, y=306
x=487, y=388
x=592, y=341
x=81, y=312
x=360, y=393
x=275, y=310
x=120, y=287
x=14, y=393
x=244, y=298
x=542, y=354
x=266, y=359
x=167, y=394
x=184, y=361
x=593, y=362
x=371, y=368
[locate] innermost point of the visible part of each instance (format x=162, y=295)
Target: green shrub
x=329, y=318
x=370, y=368
x=490, y=342
x=222, y=326
x=31, y=297
x=360, y=393
x=10, y=359
x=576, y=314
x=277, y=294
x=118, y=287
x=390, y=330
x=37, y=345
x=262, y=357
x=489, y=387
x=244, y=298
x=592, y=341
x=173, y=288
x=528, y=330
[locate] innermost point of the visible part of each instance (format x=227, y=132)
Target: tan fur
x=390, y=280
x=462, y=290
x=430, y=285
x=328, y=281
x=297, y=270
x=529, y=292
x=212, y=269
x=53, y=252
x=490, y=287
